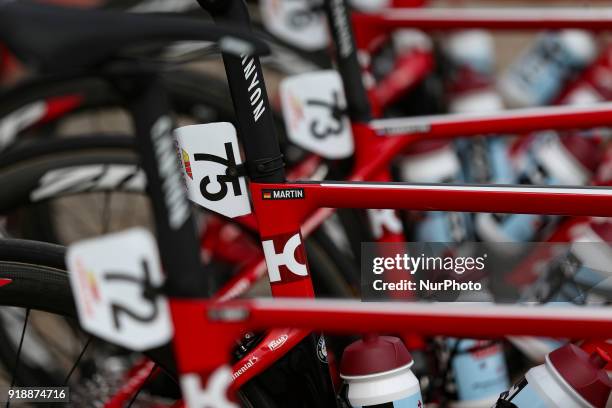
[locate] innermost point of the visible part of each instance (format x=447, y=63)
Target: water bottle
x=570, y=378
x=539, y=74
x=563, y=160
x=593, y=85
x=479, y=371
x=406, y=40
x=436, y=162
x=484, y=160
x=478, y=368
x=471, y=57
x=545, y=159
x=398, y=67
x=377, y=371
x=587, y=273
x=590, y=347
x=587, y=267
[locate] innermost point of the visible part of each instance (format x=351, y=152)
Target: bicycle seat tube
x=264, y=161
x=248, y=91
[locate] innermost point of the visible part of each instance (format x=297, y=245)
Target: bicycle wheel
x=63, y=190
x=47, y=347
x=196, y=95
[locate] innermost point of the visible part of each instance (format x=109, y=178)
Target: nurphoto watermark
x=484, y=272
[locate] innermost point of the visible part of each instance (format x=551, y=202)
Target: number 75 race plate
x=209, y=153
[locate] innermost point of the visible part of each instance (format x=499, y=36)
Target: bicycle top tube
x=353, y=32
x=31, y=32
x=595, y=19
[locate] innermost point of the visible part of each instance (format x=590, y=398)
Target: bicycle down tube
x=219, y=324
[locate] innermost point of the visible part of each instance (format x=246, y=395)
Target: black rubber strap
x=262, y=168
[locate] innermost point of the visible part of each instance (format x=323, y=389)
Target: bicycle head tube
x=264, y=161
x=339, y=21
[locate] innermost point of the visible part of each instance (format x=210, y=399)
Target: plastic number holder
x=210, y=157
x=295, y=23
x=113, y=278
x=314, y=108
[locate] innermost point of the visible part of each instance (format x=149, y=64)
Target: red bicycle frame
x=371, y=26
x=370, y=138
x=373, y=29
x=389, y=137
x=202, y=348
x=296, y=282
x=205, y=347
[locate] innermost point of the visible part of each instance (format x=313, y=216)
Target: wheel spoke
x=17, y=357
x=78, y=360
x=106, y=212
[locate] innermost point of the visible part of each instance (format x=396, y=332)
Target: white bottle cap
x=581, y=44
x=370, y=5
x=405, y=40
x=377, y=370
x=471, y=45
x=481, y=100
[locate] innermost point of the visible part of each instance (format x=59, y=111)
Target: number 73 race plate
x=314, y=107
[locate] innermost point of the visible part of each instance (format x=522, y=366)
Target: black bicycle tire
x=186, y=89
x=21, y=171
x=39, y=281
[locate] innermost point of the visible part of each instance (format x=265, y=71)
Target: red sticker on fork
x=4, y=282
